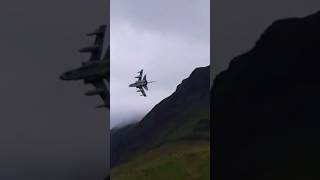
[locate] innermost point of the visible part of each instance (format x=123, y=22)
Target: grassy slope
x=180, y=153
x=195, y=127
x=185, y=160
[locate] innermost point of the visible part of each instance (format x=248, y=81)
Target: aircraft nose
x=62, y=77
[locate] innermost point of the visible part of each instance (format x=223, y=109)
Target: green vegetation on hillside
x=184, y=160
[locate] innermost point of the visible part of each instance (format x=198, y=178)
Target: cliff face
x=266, y=106
x=183, y=115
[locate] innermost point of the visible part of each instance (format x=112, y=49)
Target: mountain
x=265, y=106
x=175, y=122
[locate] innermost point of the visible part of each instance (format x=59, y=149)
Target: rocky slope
x=266, y=106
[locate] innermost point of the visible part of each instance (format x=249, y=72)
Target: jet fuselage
x=89, y=71
x=139, y=84
x=95, y=71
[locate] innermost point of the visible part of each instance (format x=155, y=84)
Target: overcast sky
x=167, y=38
x=238, y=24
x=48, y=128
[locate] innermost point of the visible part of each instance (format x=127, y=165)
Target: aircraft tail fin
x=99, y=31
x=145, y=77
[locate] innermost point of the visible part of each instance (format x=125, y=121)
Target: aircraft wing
x=140, y=75
x=100, y=84
x=142, y=91
x=96, y=54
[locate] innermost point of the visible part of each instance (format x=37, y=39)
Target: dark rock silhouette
x=266, y=106
x=190, y=100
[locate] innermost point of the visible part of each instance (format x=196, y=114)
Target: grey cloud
x=179, y=17
x=168, y=40
x=238, y=24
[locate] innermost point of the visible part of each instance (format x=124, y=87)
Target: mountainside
x=186, y=160
x=183, y=116
x=266, y=106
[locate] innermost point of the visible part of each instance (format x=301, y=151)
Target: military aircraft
x=95, y=71
x=141, y=83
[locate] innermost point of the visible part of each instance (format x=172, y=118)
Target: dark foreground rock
x=266, y=106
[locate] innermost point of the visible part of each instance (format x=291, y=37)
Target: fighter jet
x=141, y=83
x=95, y=71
